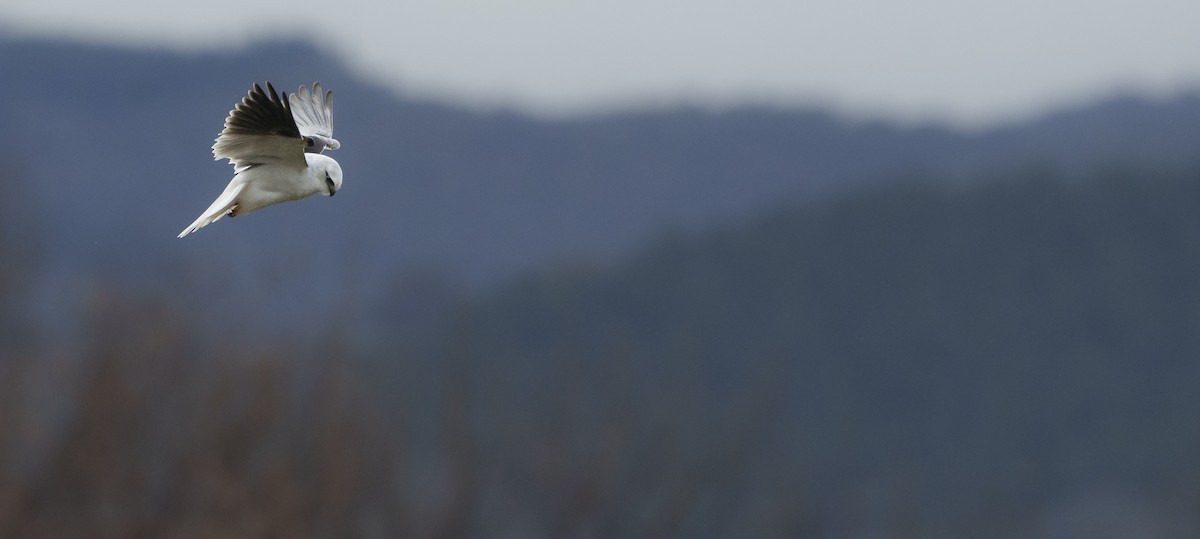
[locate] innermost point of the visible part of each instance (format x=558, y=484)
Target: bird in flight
x=275, y=145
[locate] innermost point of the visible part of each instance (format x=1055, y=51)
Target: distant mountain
x=114, y=143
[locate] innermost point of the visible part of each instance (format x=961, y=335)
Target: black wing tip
x=264, y=112
x=257, y=92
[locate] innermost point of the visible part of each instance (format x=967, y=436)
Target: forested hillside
x=983, y=363
x=1013, y=359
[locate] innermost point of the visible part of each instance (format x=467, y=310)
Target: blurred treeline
x=1011, y=358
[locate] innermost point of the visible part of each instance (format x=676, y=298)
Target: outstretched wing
x=260, y=130
x=313, y=112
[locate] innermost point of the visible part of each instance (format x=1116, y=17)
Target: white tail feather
x=218, y=209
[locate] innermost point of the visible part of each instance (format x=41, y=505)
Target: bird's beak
x=332, y=192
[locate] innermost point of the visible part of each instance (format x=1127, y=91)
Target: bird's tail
x=221, y=206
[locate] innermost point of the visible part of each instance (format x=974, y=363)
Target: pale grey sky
x=967, y=61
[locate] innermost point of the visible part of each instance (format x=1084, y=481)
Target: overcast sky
x=967, y=61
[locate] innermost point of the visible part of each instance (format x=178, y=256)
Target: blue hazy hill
x=114, y=146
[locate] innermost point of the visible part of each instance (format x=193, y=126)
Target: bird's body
x=275, y=153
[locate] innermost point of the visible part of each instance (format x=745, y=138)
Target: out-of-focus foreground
x=907, y=333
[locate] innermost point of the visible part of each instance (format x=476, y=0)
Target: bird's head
x=332, y=176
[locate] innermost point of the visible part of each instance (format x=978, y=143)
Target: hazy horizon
x=969, y=66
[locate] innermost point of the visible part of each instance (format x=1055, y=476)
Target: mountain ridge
x=115, y=145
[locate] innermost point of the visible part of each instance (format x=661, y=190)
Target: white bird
x=275, y=148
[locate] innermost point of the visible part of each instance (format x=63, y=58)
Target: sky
x=959, y=61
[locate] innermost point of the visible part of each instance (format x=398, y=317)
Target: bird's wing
x=313, y=112
x=261, y=130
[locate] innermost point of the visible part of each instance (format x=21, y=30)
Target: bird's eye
x=308, y=141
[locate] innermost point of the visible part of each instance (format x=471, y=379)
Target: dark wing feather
x=260, y=129
x=262, y=114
